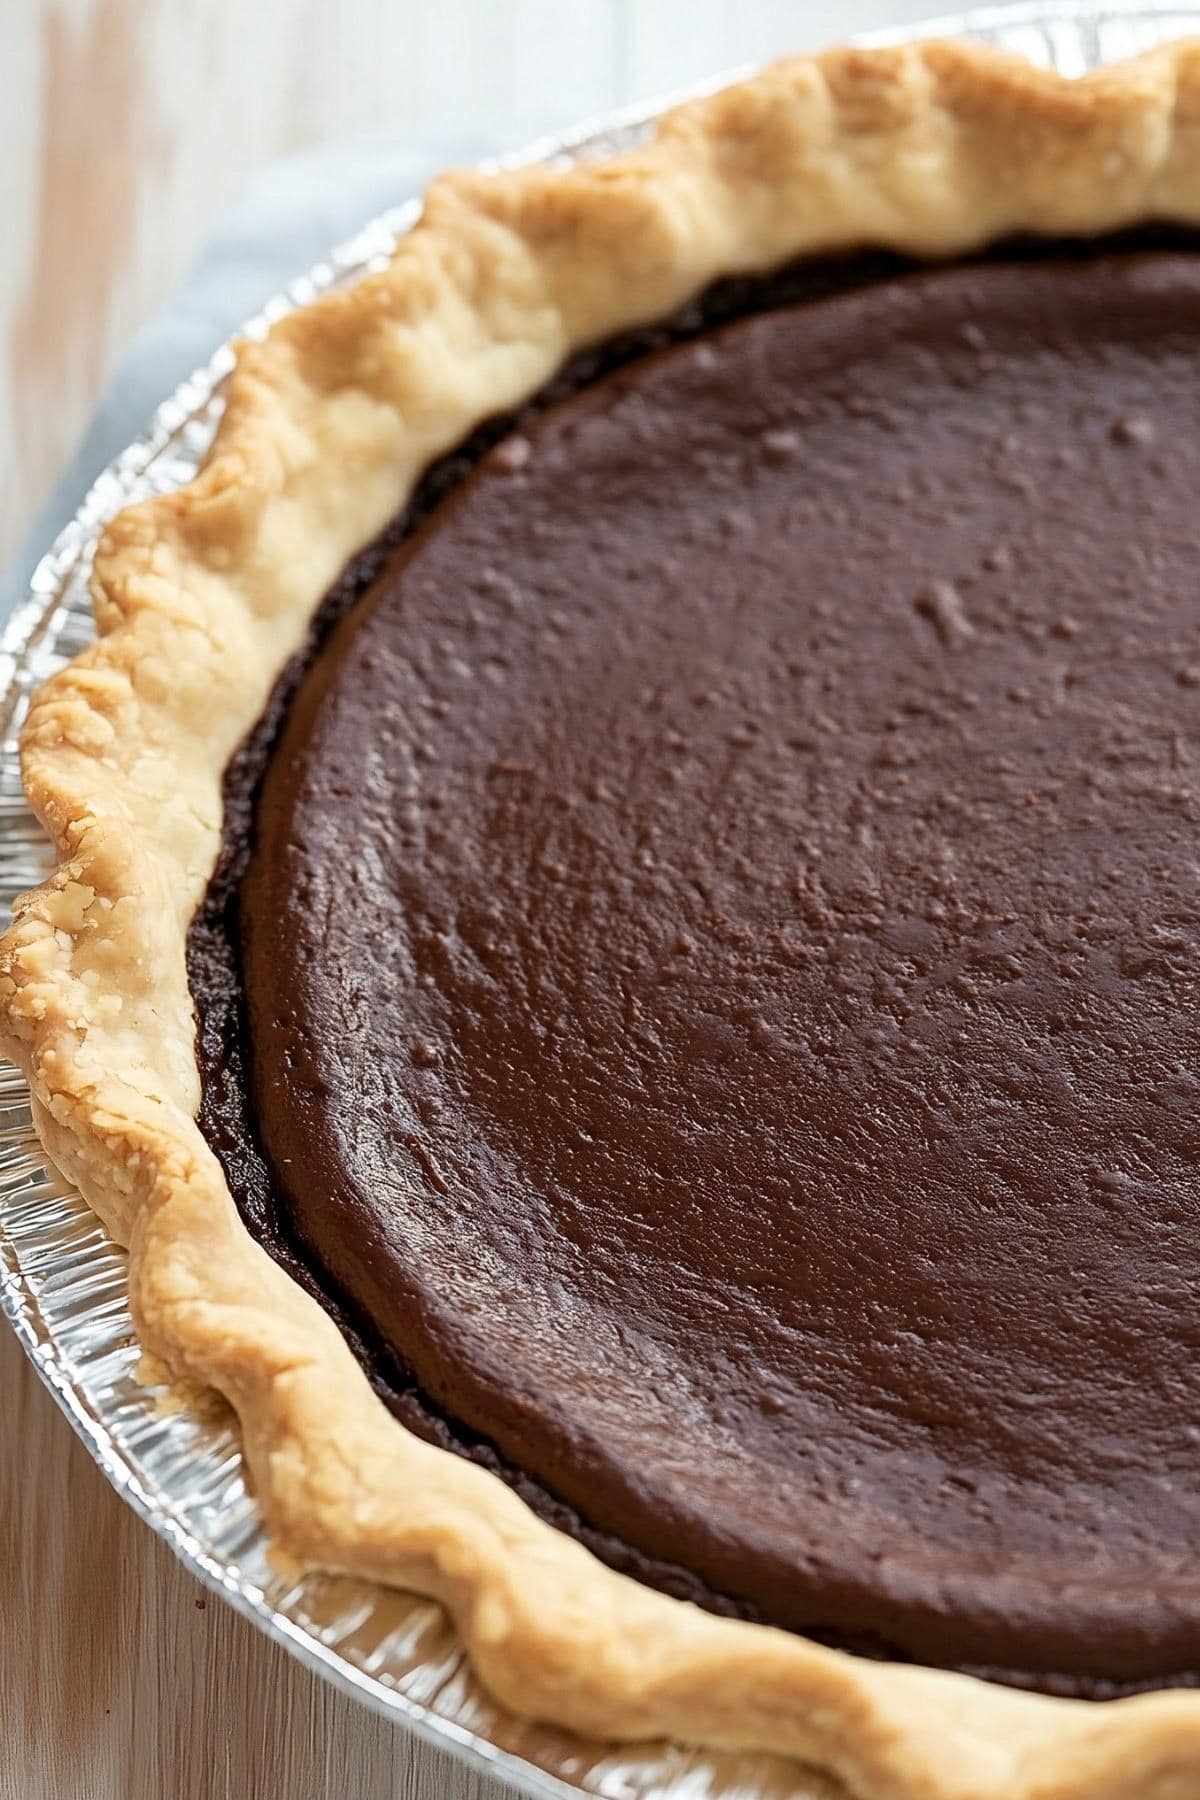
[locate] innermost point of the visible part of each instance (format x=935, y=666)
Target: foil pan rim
x=62, y=1281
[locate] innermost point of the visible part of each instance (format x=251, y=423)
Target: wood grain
x=120, y=1679
x=125, y=127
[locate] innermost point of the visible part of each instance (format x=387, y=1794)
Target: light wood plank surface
x=125, y=127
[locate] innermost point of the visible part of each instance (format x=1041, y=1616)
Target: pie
x=626, y=945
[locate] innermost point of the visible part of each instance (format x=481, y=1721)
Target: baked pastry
x=658, y=753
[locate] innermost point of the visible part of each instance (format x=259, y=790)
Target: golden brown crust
x=201, y=595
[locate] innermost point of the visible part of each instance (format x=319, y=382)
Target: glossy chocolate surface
x=720, y=958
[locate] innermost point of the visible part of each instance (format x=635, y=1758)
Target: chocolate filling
x=702, y=973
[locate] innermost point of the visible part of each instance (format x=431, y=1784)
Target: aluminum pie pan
x=63, y=1282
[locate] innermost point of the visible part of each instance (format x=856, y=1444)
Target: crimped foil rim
x=61, y=1281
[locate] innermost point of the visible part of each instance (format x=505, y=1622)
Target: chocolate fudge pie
x=626, y=948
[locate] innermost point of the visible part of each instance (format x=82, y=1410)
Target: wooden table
x=125, y=126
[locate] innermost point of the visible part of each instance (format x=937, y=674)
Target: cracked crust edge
x=200, y=597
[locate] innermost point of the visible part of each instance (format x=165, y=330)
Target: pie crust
x=201, y=596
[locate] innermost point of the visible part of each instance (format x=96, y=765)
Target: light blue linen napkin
x=290, y=216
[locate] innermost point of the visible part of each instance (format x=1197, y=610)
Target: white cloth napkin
x=290, y=216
